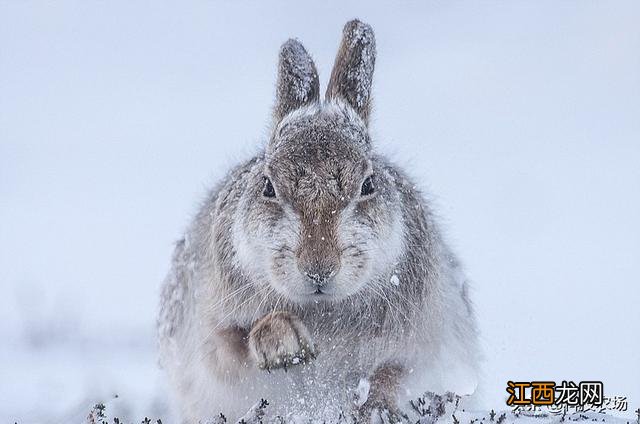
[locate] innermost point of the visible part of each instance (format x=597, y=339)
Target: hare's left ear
x=298, y=83
x=352, y=73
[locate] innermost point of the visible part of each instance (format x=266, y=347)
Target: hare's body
x=300, y=260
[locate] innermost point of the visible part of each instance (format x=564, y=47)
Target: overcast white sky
x=522, y=119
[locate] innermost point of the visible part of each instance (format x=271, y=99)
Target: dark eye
x=268, y=190
x=367, y=187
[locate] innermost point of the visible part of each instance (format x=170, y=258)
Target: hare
x=315, y=275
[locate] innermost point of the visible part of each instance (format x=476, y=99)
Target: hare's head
x=322, y=217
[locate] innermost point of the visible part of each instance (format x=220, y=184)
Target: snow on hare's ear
x=352, y=73
x=298, y=83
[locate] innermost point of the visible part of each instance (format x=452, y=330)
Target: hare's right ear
x=298, y=83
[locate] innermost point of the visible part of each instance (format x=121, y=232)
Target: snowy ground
x=427, y=409
x=520, y=117
x=60, y=383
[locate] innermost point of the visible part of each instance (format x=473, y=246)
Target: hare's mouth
x=320, y=294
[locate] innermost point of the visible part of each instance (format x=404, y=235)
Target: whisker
x=228, y=296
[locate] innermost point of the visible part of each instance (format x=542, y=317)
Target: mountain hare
x=314, y=275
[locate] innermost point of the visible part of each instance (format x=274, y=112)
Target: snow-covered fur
x=315, y=268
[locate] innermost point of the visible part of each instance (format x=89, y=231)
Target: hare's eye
x=367, y=187
x=268, y=190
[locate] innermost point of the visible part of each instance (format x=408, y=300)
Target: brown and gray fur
x=294, y=282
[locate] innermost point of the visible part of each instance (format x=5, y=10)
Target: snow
x=362, y=392
x=521, y=119
x=427, y=409
x=255, y=414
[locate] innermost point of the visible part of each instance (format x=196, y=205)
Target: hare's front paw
x=280, y=340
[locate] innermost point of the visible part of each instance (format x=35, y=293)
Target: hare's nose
x=318, y=279
x=320, y=274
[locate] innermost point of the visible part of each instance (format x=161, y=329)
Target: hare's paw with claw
x=280, y=340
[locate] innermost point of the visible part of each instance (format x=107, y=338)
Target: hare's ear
x=298, y=83
x=352, y=73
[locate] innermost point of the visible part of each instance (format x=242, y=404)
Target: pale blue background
x=521, y=118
